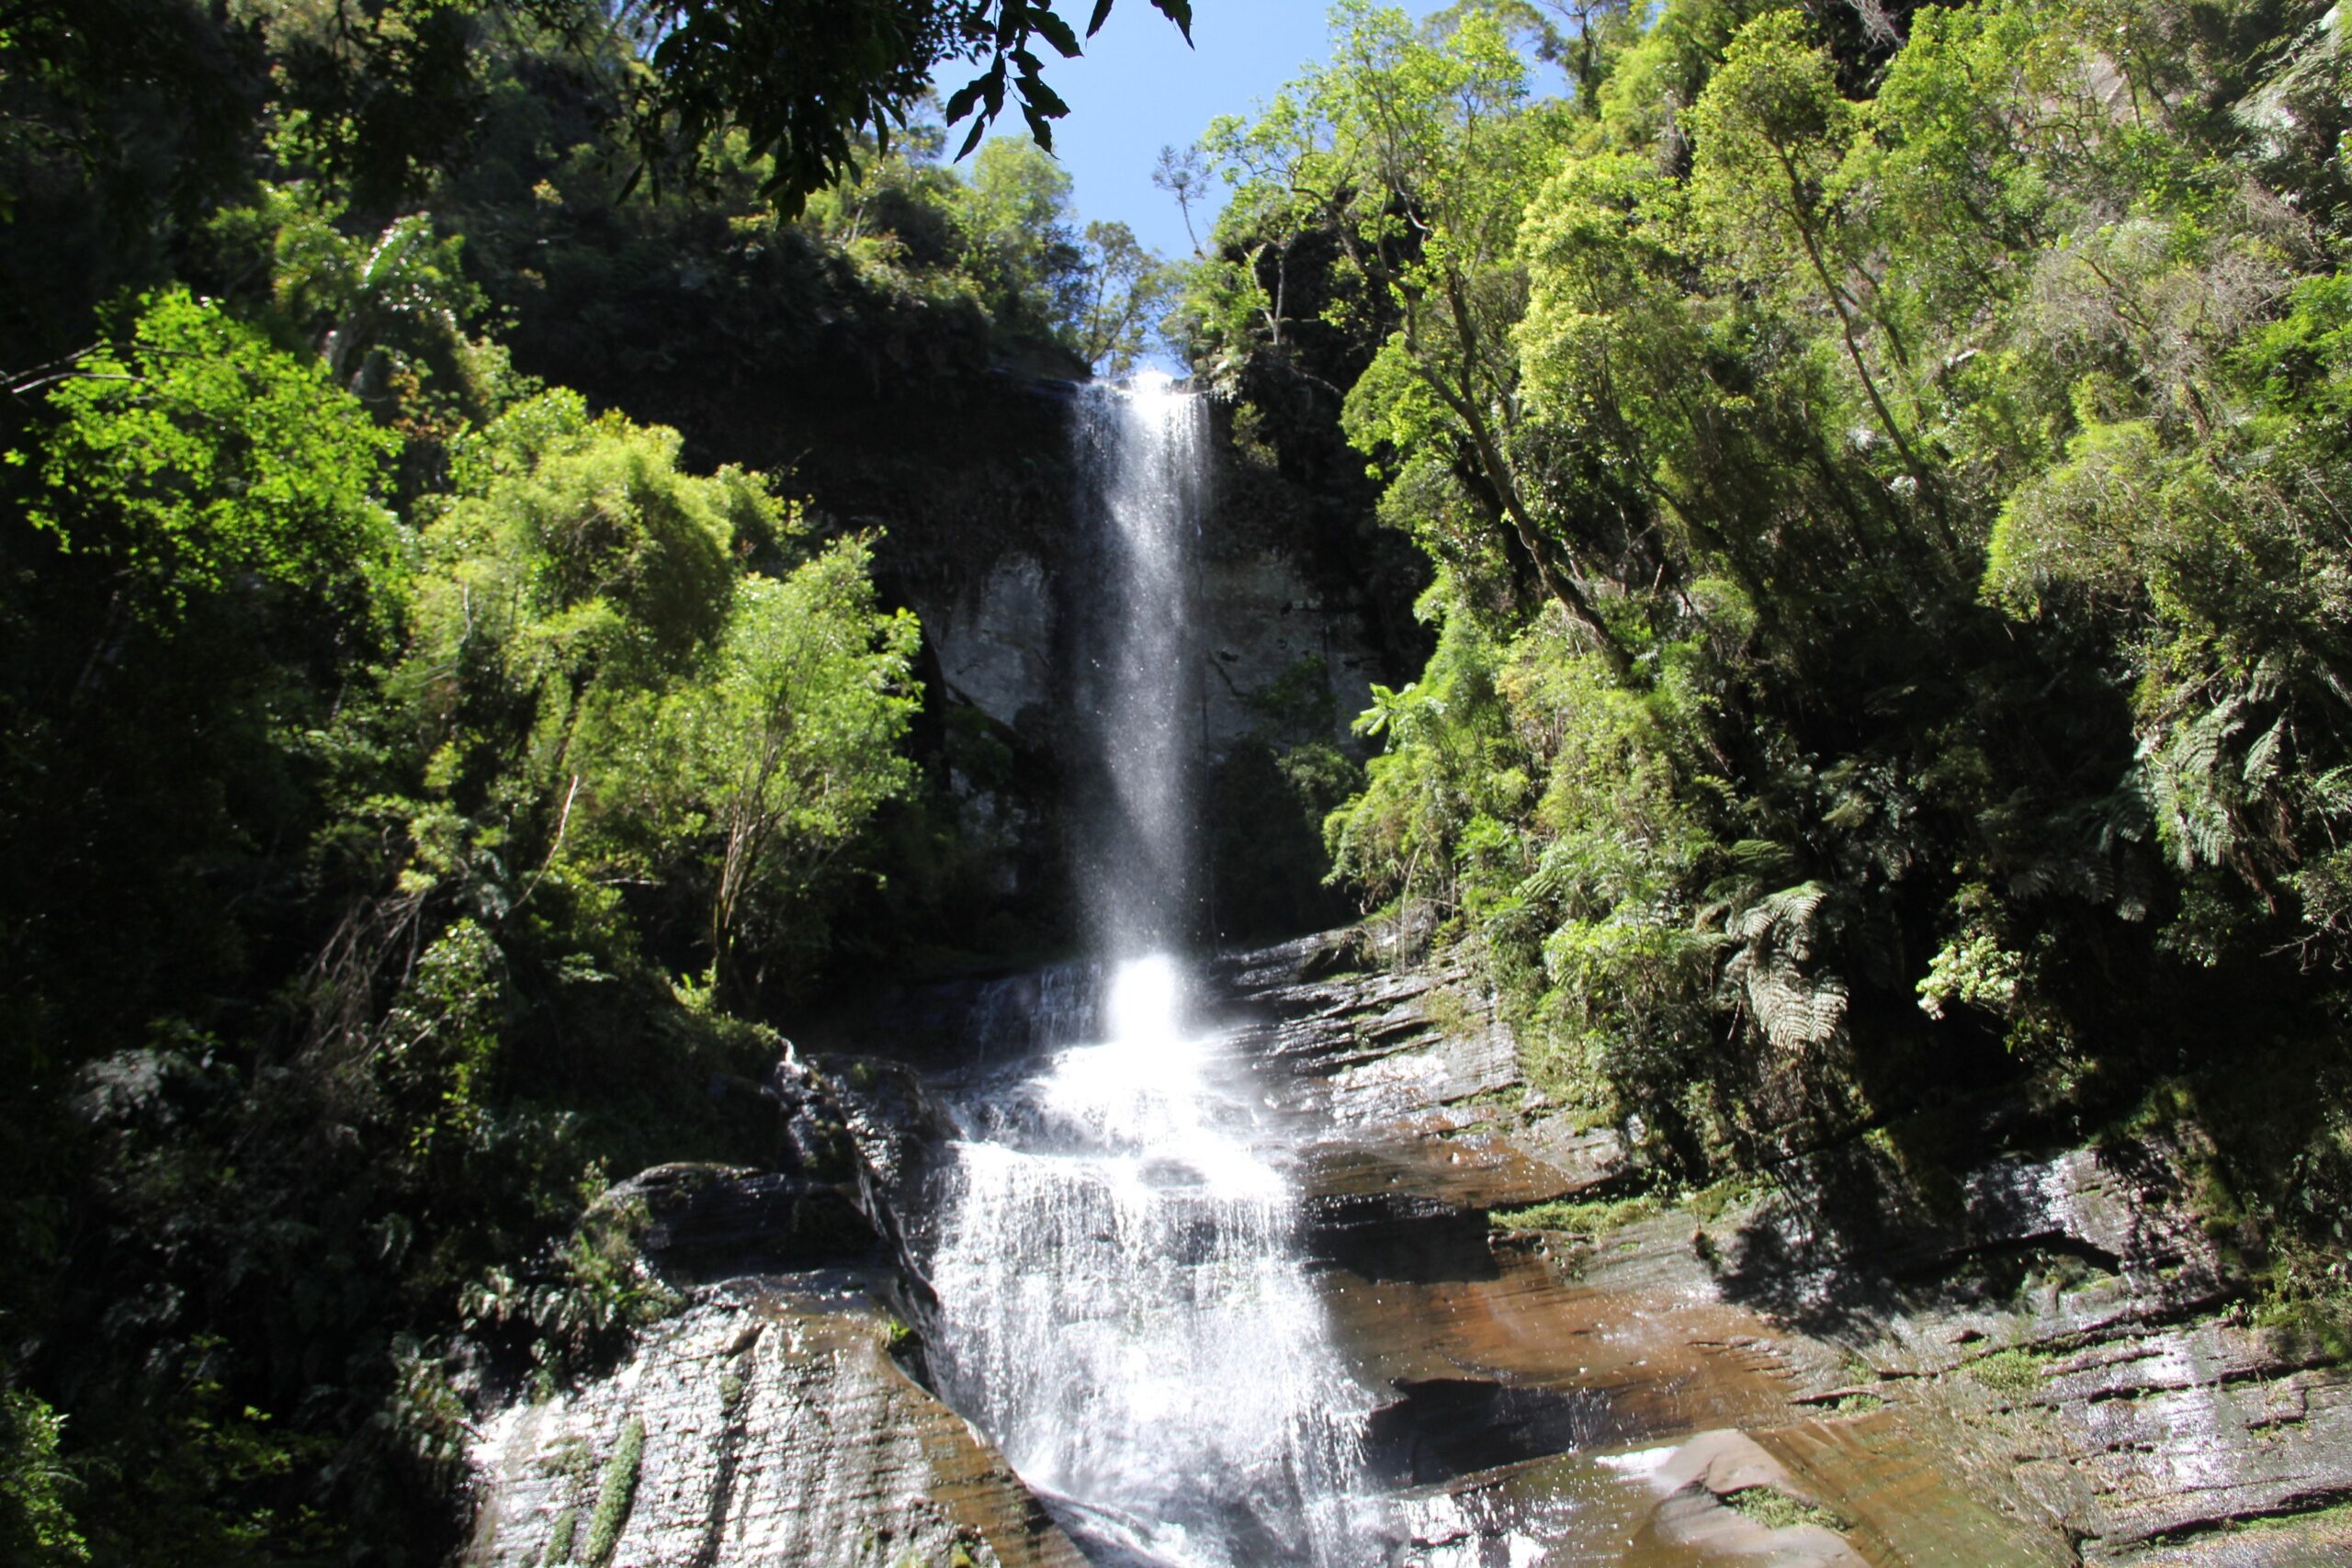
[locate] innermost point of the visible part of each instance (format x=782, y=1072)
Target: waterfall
x=1141, y=457
x=1121, y=1303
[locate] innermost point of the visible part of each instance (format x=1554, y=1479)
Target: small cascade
x=1122, y=1306
x=1023, y=1013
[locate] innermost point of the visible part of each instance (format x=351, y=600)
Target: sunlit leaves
x=763, y=765
x=197, y=459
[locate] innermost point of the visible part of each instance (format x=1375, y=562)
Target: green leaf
x=960, y=104
x=1044, y=99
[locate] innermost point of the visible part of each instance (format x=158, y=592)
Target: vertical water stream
x=1120, y=1300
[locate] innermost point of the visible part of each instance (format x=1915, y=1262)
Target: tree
x=1771, y=136
x=1420, y=156
x=1018, y=242
x=768, y=763
x=803, y=78
x=197, y=459
x=1126, y=288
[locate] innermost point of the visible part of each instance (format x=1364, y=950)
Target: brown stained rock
x=2129, y=1419
x=777, y=1429
x=1866, y=1369
x=1637, y=1366
x=1480, y=1170
x=1914, y=1494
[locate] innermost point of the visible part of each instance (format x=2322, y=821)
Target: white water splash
x=1121, y=1303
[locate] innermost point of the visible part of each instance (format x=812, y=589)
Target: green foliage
x=616, y=1492
x=35, y=1522
x=1127, y=289
x=440, y=1039
x=1887, y=494
x=1776, y=1510
x=771, y=762
x=1589, y=1218
x=573, y=1309
x=377, y=977
x=599, y=684
x=559, y=1552
x=1013, y=219
x=2015, y=1373
x=195, y=460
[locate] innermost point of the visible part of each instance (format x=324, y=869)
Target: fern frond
x=1793, y=1005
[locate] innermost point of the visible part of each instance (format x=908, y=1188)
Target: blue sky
x=1138, y=89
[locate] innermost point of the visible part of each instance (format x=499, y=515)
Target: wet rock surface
x=2043, y=1366
x=770, y=1425
x=2039, y=1369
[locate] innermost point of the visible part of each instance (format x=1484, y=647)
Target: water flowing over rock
x=1228, y=1292
x=1123, y=1302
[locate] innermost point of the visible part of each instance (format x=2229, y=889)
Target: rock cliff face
x=768, y=1423
x=1267, y=628
x=2041, y=1365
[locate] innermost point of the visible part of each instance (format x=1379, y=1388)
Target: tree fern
x=1776, y=976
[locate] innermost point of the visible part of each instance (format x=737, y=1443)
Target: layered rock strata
x=2047, y=1366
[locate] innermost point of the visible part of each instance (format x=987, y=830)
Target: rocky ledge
x=2046, y=1365
x=768, y=1423
x=2050, y=1365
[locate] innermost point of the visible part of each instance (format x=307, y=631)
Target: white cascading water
x=1121, y=1303
x=1141, y=455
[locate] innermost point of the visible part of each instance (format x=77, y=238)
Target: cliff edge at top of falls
x=2048, y=1370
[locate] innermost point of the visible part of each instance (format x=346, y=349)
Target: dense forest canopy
x=1885, y=474
x=418, y=776
x=1884, y=470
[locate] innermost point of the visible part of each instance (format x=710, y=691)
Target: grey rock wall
x=1277, y=656
x=1266, y=626
x=995, y=639
x=773, y=1428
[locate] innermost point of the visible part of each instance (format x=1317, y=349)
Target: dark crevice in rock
x=1446, y=1428
x=733, y=1430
